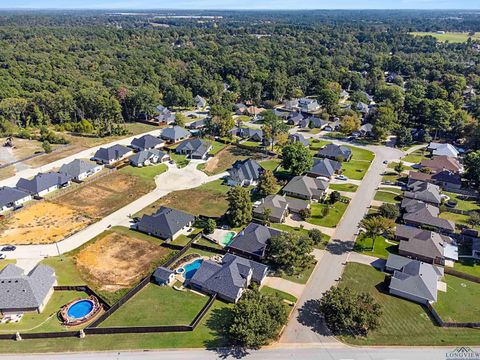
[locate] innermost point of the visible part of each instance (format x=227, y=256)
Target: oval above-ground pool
x=191, y=268
x=80, y=309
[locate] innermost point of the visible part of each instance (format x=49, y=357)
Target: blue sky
x=245, y=4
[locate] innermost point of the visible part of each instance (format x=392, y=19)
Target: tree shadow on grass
x=218, y=322
x=310, y=316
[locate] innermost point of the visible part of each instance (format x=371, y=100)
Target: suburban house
x=426, y=245
x=149, y=157
x=294, y=118
x=200, y=102
x=194, y=148
x=324, y=168
x=20, y=292
x=362, y=108
x=445, y=179
x=297, y=137
x=281, y=113
x=165, y=116
x=80, y=169
x=198, y=124
x=279, y=207
x=228, y=278
x=333, y=125
x=166, y=223
x=438, y=149
x=316, y=123
x=175, y=134
x=163, y=276
x=308, y=105
x=413, y=280
x=10, y=198
x=366, y=130
x=424, y=191
x=112, y=154
x=240, y=108
x=420, y=214
x=443, y=163
x=248, y=133
x=291, y=104
x=43, y=183
x=304, y=123
x=344, y=95
x=335, y=152
x=147, y=142
x=252, y=241
x=244, y=173
x=305, y=187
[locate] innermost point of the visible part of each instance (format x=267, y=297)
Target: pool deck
x=220, y=234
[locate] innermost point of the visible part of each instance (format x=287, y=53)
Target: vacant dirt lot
x=117, y=261
x=41, y=223
x=105, y=195
x=225, y=158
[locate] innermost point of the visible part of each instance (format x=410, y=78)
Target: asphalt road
x=305, y=326
x=274, y=353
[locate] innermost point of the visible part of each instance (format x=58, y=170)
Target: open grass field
x=118, y=259
x=458, y=219
x=278, y=293
x=389, y=195
x=42, y=223
x=460, y=302
x=216, y=147
x=333, y=216
x=224, y=159
x=106, y=194
x=317, y=144
x=467, y=204
x=209, y=333
x=403, y=322
x=147, y=173
x=355, y=169
x=381, y=248
x=344, y=187
x=361, y=154
x=416, y=157
x=452, y=37
x=468, y=266
x=271, y=164
x=158, y=305
x=209, y=200
x=47, y=320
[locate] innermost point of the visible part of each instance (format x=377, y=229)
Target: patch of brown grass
x=117, y=261
x=224, y=159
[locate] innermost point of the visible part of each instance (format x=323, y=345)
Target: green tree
x=375, y=226
x=334, y=197
x=47, y=147
x=389, y=211
x=316, y=236
x=290, y=252
x=222, y=120
x=347, y=312
x=350, y=124
x=404, y=136
x=180, y=119
x=256, y=320
x=305, y=213
x=296, y=158
x=272, y=127
x=472, y=167
x=267, y=184
x=210, y=226
x=240, y=206
x=399, y=167
x=328, y=99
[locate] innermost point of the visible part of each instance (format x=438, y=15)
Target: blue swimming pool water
x=80, y=309
x=191, y=268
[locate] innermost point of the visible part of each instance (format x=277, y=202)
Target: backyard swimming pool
x=191, y=268
x=227, y=238
x=80, y=309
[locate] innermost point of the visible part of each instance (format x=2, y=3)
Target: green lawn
x=361, y=154
x=278, y=293
x=403, y=322
x=354, y=169
x=415, y=157
x=183, y=239
x=207, y=334
x=460, y=302
x=147, y=172
x=47, y=320
x=467, y=205
x=332, y=218
x=468, y=266
x=290, y=229
x=344, y=187
x=6, y=262
x=180, y=160
x=252, y=144
x=458, y=219
x=391, y=165
x=271, y=164
x=205, y=242
x=303, y=277
x=453, y=37
x=158, y=305
x=216, y=147
x=316, y=144
x=364, y=245
x=390, y=196
x=65, y=269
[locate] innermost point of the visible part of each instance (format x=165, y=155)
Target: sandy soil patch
x=225, y=158
x=41, y=223
x=118, y=261
x=105, y=195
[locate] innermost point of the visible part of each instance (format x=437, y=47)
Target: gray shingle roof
x=324, y=167
x=247, y=169
x=146, y=142
x=297, y=137
x=9, y=195
x=175, y=133
x=166, y=221
x=306, y=186
x=25, y=291
x=253, y=239
x=144, y=155
x=424, y=191
x=42, y=181
x=333, y=151
x=162, y=273
x=77, y=167
x=198, y=124
x=427, y=215
x=114, y=152
x=195, y=147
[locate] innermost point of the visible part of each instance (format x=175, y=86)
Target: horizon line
x=237, y=9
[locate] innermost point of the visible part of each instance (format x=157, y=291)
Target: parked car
x=2, y=256
x=385, y=161
x=9, y=248
x=341, y=177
